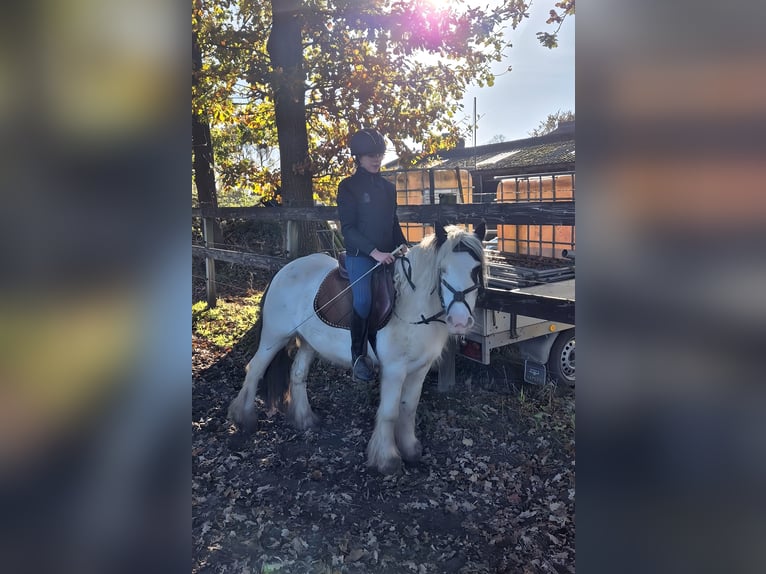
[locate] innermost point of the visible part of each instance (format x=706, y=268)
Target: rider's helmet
x=367, y=142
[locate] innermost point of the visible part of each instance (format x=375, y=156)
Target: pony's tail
x=275, y=387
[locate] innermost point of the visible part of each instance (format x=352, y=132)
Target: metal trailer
x=532, y=310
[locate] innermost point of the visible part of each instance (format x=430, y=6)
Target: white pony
x=435, y=298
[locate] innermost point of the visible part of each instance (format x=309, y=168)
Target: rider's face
x=371, y=162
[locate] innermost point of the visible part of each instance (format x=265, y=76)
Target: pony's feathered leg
x=271, y=341
x=242, y=408
x=381, y=450
x=299, y=410
x=409, y=446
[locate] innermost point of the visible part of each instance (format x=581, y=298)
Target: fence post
x=292, y=239
x=208, y=234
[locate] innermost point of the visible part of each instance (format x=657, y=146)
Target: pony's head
x=460, y=266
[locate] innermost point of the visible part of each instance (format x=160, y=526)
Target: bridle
x=457, y=296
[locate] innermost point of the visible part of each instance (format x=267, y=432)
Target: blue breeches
x=361, y=291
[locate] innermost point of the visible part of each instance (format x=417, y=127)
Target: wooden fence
x=539, y=213
x=533, y=213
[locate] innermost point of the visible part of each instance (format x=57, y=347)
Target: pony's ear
x=480, y=231
x=441, y=234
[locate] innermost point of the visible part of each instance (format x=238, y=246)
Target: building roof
x=552, y=152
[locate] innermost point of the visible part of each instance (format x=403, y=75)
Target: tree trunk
x=202, y=162
x=204, y=178
x=285, y=47
x=202, y=152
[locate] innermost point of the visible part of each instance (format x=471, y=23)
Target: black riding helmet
x=367, y=142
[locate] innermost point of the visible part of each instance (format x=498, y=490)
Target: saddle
x=338, y=313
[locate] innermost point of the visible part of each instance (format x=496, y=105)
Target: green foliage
x=399, y=65
x=566, y=8
x=227, y=323
x=497, y=138
x=552, y=122
x=246, y=167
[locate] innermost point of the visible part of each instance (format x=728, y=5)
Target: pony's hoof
x=414, y=454
x=309, y=422
x=247, y=426
x=238, y=441
x=391, y=466
x=246, y=423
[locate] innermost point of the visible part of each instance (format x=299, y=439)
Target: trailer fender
x=537, y=349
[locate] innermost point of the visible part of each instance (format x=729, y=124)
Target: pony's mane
x=427, y=260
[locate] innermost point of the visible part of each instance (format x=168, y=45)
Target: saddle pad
x=338, y=313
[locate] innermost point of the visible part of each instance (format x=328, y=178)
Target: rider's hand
x=381, y=257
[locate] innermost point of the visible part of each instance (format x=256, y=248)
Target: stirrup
x=361, y=371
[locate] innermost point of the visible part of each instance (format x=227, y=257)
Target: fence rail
x=240, y=257
x=532, y=213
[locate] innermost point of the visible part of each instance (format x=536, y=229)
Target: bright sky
x=542, y=81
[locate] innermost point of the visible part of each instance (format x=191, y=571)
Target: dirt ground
x=495, y=491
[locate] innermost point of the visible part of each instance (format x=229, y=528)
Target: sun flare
x=436, y=6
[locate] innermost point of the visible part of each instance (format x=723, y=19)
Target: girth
x=338, y=313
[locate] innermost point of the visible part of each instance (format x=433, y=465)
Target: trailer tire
x=561, y=361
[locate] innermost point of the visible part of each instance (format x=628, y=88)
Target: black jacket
x=367, y=213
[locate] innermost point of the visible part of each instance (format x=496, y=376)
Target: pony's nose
x=461, y=324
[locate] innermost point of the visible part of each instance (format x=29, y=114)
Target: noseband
x=457, y=297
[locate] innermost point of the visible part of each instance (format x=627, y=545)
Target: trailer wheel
x=561, y=361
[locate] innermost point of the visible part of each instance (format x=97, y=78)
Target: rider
x=370, y=228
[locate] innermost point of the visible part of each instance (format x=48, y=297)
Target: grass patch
x=225, y=325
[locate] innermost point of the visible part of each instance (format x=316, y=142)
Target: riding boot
x=372, y=334
x=360, y=368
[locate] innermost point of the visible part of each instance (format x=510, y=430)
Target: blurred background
x=94, y=289
x=671, y=305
